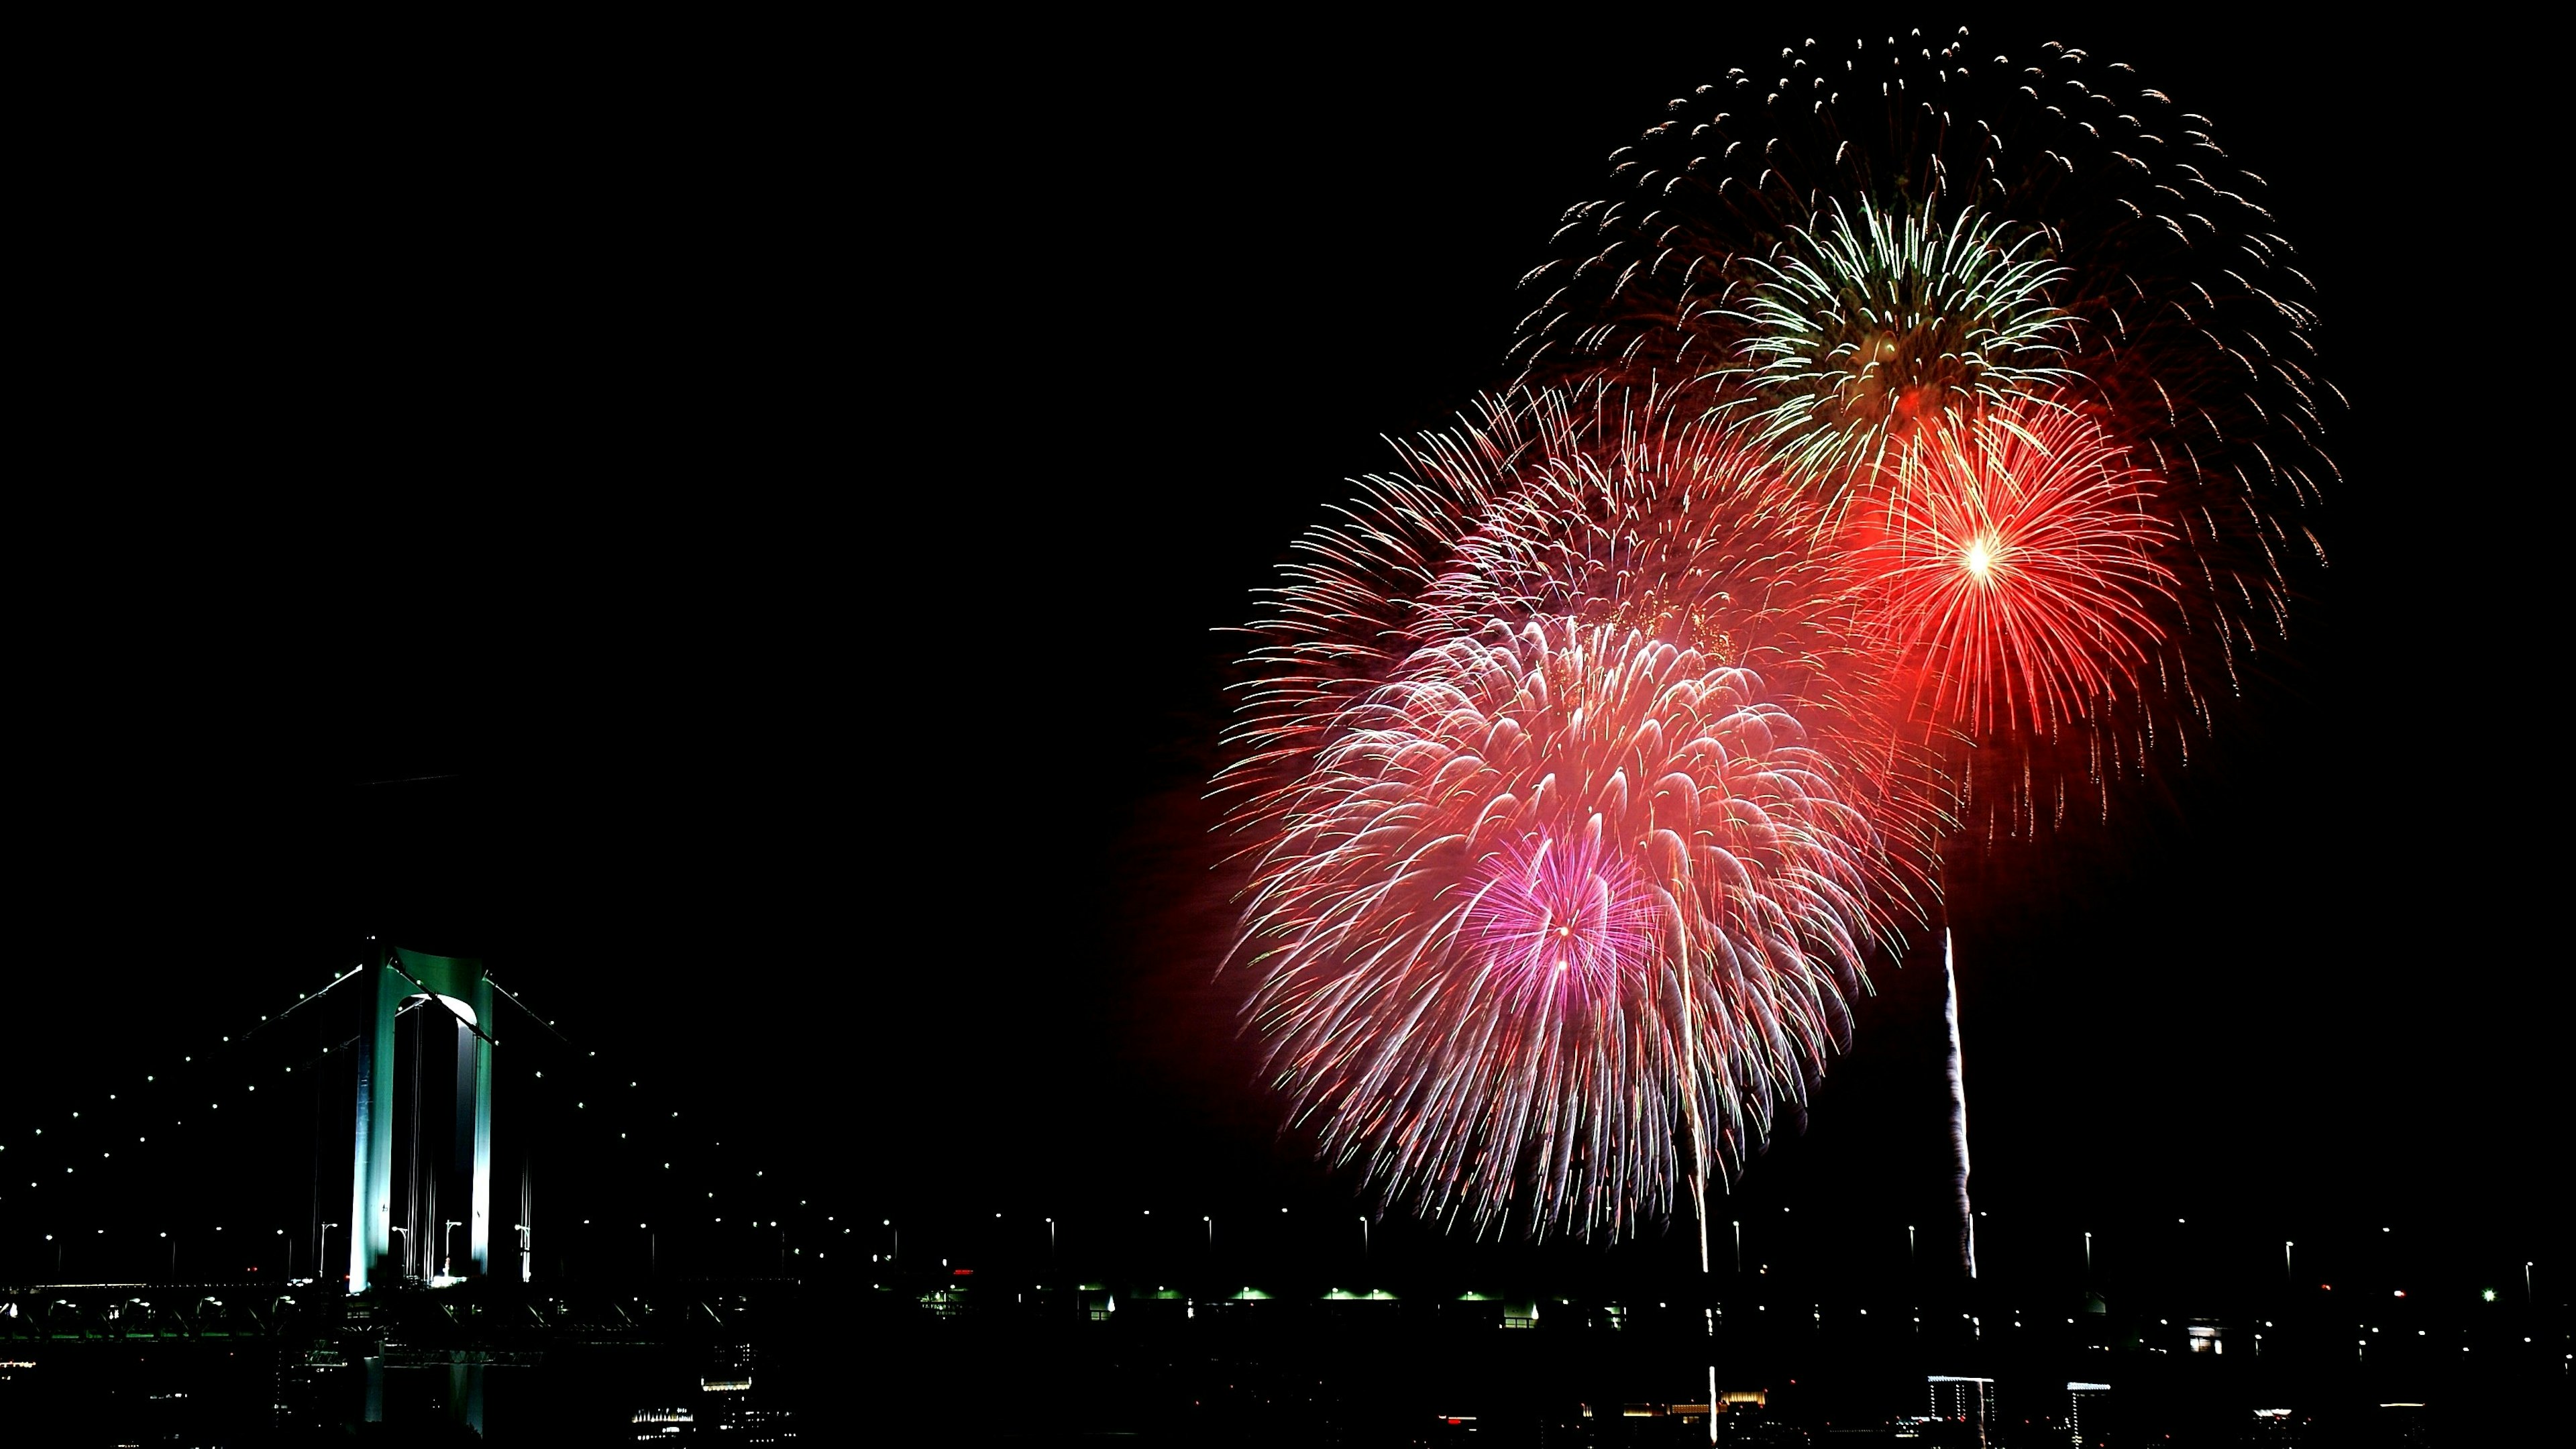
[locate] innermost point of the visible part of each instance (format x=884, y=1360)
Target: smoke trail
x=1958, y=1112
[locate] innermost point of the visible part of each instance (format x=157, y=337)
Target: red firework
x=1567, y=815
x=2009, y=564
x=1559, y=919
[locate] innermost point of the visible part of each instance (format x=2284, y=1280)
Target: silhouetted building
x=2087, y=1419
x=1963, y=1401
x=2277, y=1426
x=665, y=1426
x=2211, y=1336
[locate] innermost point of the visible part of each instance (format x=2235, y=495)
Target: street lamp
x=447, y=1247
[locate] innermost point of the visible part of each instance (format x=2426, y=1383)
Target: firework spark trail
x=1705, y=886
x=1863, y=236
x=1563, y=917
x=2106, y=244
x=1859, y=329
x=1566, y=876
x=2011, y=569
x=1583, y=504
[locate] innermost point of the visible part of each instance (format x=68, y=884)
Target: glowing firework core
x=2067, y=623
x=1564, y=916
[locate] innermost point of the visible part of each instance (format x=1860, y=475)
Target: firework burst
x=1867, y=325
x=2011, y=563
x=1555, y=902
x=1548, y=894
x=1867, y=235
x=1557, y=917
x=1879, y=447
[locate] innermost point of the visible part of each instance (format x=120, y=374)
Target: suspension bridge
x=396, y=1184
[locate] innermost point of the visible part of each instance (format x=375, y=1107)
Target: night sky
x=747, y=554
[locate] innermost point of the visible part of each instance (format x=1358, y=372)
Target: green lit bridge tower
x=457, y=987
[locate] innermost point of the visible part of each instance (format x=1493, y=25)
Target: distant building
x=2087, y=1401
x=665, y=1426
x=728, y=1369
x=1965, y=1401
x=2277, y=1426
x=2210, y=1336
x=755, y=1425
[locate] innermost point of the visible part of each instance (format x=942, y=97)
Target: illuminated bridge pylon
x=458, y=986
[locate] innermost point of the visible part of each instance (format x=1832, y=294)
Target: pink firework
x=1562, y=916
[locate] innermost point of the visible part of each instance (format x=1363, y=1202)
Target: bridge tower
x=461, y=993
